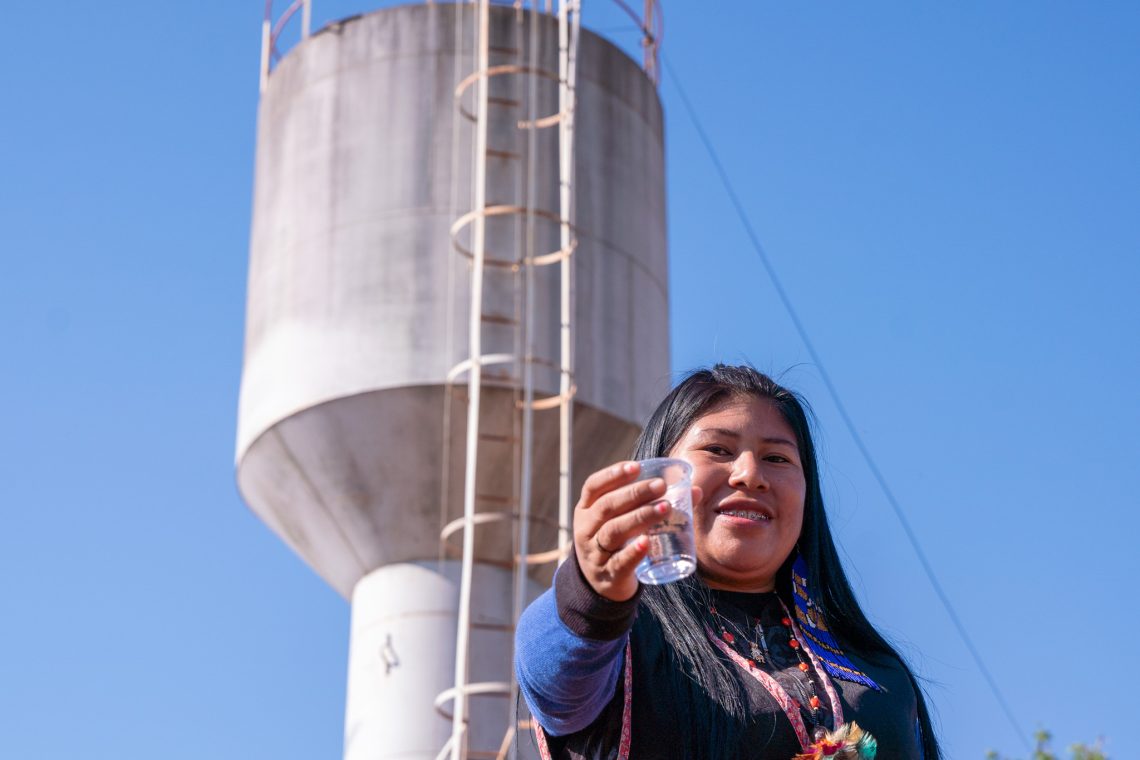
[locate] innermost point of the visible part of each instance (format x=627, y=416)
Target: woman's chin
x=726, y=577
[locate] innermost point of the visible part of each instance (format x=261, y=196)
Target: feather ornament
x=848, y=742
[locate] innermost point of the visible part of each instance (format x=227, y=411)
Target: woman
x=763, y=653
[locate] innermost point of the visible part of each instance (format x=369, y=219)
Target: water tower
x=458, y=308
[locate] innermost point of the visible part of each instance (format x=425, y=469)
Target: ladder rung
x=501, y=153
x=493, y=626
x=508, y=102
x=491, y=498
x=495, y=437
x=499, y=319
x=503, y=50
x=502, y=379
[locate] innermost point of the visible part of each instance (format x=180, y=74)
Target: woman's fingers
x=604, y=481
x=611, y=574
x=610, y=520
x=616, y=532
x=622, y=500
x=624, y=562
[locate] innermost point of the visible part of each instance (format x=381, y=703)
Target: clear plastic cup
x=672, y=547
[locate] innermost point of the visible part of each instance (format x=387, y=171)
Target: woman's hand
x=614, y=508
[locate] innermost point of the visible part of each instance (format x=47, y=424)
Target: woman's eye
x=717, y=450
x=776, y=458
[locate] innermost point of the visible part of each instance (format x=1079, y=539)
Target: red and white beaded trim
x=783, y=699
x=775, y=689
x=828, y=686
x=626, y=711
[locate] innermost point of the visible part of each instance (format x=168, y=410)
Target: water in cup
x=672, y=548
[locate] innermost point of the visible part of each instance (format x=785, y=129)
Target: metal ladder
x=483, y=505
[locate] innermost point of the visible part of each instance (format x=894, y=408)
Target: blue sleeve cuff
x=587, y=613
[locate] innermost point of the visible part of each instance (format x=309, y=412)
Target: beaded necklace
x=758, y=654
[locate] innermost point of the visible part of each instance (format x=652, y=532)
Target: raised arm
x=569, y=643
x=568, y=652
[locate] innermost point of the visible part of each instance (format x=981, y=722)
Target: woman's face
x=746, y=460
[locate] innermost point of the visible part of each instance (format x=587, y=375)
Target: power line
x=786, y=301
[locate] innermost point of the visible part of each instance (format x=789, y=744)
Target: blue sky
x=948, y=192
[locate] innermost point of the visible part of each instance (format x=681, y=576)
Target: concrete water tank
x=357, y=310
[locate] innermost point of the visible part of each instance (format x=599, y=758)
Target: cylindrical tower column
x=402, y=653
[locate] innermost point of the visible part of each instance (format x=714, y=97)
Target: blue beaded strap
x=816, y=636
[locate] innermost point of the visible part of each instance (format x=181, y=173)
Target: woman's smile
x=744, y=512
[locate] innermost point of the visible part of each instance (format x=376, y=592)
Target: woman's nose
x=747, y=474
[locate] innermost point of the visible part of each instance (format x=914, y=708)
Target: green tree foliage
x=1043, y=751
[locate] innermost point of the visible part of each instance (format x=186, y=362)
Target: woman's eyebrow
x=726, y=433
x=721, y=432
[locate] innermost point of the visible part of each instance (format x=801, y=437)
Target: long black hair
x=702, y=681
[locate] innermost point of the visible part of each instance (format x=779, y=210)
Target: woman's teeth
x=745, y=514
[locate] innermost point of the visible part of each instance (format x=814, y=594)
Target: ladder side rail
x=527, y=443
x=457, y=123
x=567, y=53
x=474, y=380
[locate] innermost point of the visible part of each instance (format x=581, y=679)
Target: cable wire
x=831, y=390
